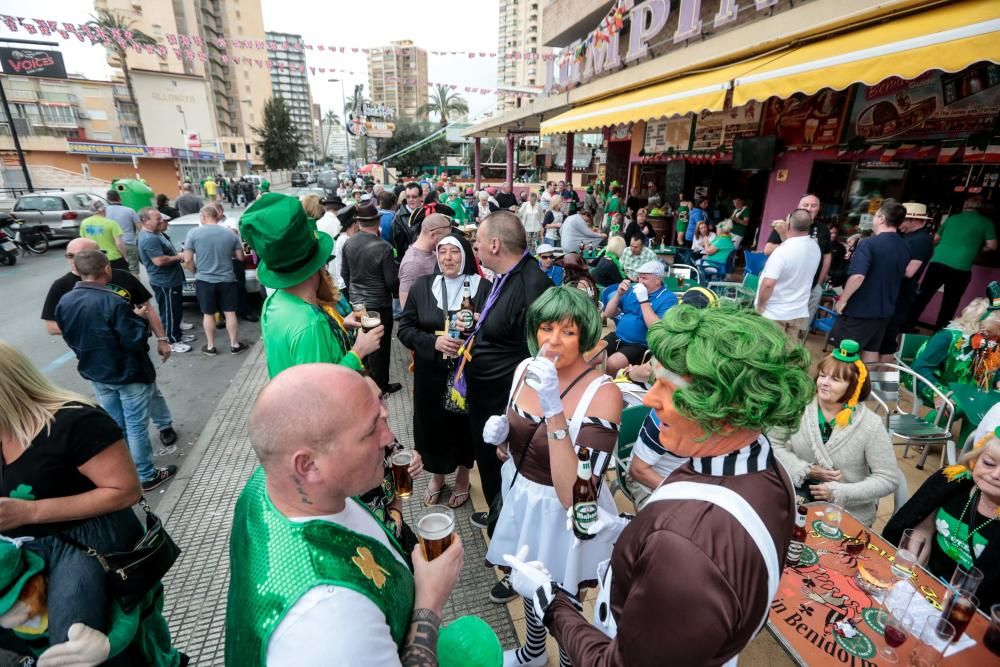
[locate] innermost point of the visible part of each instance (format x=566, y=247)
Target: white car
x=177, y=231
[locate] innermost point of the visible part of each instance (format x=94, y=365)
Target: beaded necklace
x=968, y=504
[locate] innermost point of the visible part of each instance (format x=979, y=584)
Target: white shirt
x=332, y=625
x=545, y=200
x=793, y=265
x=531, y=217
x=333, y=266
x=698, y=246
x=649, y=450
x=329, y=223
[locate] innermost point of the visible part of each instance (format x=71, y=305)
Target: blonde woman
x=65, y=467
x=530, y=214
x=553, y=221
x=313, y=206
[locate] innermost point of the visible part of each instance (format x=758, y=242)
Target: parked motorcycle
x=29, y=238
x=8, y=250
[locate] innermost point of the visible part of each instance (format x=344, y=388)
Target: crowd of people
x=501, y=301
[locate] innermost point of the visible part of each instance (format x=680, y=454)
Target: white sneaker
x=187, y=338
x=510, y=660
x=186, y=326
x=180, y=348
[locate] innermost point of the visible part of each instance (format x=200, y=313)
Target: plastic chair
x=606, y=294
x=823, y=322
x=906, y=424
x=628, y=433
x=908, y=346
x=754, y=261
x=711, y=270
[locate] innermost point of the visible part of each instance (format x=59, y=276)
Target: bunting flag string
x=125, y=39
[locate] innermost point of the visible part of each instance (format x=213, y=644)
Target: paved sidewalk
x=198, y=509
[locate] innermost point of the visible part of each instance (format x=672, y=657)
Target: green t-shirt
x=953, y=538
x=725, y=247
x=962, y=236
x=297, y=332
x=104, y=231
x=740, y=219
x=682, y=218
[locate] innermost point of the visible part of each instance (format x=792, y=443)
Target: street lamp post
x=184, y=129
x=347, y=136
x=243, y=138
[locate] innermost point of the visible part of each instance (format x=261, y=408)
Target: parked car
x=300, y=179
x=179, y=228
x=61, y=211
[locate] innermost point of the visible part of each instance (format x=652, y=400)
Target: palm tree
x=444, y=103
x=111, y=21
x=349, y=104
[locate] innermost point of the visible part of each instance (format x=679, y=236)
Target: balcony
x=121, y=92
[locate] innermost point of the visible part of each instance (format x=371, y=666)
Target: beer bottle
x=465, y=315
x=584, y=496
x=798, y=538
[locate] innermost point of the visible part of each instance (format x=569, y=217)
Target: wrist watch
x=558, y=434
x=163, y=338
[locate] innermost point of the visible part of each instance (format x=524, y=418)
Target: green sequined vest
x=274, y=562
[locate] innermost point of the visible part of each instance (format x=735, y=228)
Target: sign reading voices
x=22, y=61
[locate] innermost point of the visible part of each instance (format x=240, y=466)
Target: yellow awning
x=690, y=93
x=948, y=38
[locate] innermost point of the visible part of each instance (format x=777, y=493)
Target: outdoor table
x=822, y=591
x=974, y=404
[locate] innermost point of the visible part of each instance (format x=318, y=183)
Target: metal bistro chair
x=906, y=424
x=741, y=294
x=632, y=418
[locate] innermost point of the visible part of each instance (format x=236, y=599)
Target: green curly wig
x=557, y=304
x=744, y=371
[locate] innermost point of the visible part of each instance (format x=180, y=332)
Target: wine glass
x=910, y=545
x=896, y=621
x=833, y=514
x=934, y=637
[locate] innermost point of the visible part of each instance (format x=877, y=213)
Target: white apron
x=728, y=500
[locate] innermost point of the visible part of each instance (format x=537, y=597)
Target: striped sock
x=534, y=644
x=564, y=660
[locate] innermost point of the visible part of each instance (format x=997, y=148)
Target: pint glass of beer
x=400, y=462
x=370, y=320
x=358, y=308
x=436, y=530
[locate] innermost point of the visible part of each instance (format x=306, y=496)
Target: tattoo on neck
x=421, y=643
x=303, y=496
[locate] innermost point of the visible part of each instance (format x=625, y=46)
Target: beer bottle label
x=794, y=553
x=466, y=318
x=584, y=515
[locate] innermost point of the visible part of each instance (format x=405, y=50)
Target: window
x=232, y=148
x=40, y=204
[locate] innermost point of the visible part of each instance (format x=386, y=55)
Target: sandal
x=432, y=496
x=464, y=495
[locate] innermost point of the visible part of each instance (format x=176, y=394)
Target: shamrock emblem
x=23, y=492
x=942, y=527
x=372, y=570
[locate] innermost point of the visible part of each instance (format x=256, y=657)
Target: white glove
x=605, y=521
x=531, y=580
x=541, y=376
x=640, y=292
x=85, y=647
x=497, y=430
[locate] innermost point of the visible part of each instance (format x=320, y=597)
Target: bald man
x=132, y=290
x=421, y=257
x=818, y=231
x=346, y=594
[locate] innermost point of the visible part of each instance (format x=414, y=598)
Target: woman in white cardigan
x=842, y=452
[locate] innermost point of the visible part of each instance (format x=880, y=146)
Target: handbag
x=134, y=573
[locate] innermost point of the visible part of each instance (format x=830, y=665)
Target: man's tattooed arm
x=420, y=649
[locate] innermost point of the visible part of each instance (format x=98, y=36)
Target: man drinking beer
x=346, y=594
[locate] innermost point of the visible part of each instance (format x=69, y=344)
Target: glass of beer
x=358, y=308
x=436, y=530
x=370, y=320
x=400, y=462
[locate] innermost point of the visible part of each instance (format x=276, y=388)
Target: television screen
x=753, y=153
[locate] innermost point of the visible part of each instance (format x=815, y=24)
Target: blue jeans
x=159, y=413
x=128, y=405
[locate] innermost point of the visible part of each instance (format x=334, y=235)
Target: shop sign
x=22, y=61
x=879, y=164
x=380, y=111
x=600, y=51
x=667, y=134
x=806, y=120
x=379, y=129
x=716, y=130
x=198, y=156
x=621, y=132
x=936, y=105
x=87, y=148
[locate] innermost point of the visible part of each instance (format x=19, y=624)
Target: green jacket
x=275, y=561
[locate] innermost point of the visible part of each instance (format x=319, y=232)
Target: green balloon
x=469, y=642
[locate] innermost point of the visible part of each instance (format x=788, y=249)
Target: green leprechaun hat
x=17, y=566
x=469, y=642
x=285, y=239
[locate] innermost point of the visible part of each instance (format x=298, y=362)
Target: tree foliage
x=445, y=104
x=281, y=144
x=407, y=133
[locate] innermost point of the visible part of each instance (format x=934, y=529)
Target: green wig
x=745, y=373
x=558, y=304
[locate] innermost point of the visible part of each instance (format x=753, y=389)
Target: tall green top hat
x=469, y=642
x=17, y=565
x=286, y=240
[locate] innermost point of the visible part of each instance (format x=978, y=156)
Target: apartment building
x=520, y=30
x=397, y=77
x=290, y=82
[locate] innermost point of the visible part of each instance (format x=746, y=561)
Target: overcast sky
x=431, y=24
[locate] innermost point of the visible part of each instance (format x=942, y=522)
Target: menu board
x=936, y=105
x=716, y=130
x=806, y=120
x=668, y=133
